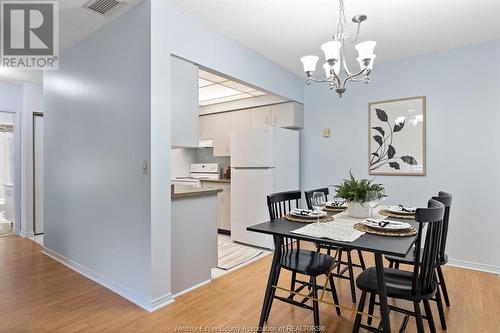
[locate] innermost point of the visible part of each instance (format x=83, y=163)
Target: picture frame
x=397, y=137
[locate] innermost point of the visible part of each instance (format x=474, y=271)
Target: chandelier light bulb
x=365, y=49
x=364, y=63
x=332, y=50
x=309, y=63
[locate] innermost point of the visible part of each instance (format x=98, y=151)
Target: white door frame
x=17, y=167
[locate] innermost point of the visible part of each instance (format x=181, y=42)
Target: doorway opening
x=7, y=173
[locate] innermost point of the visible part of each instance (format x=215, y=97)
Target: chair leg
x=371, y=308
x=334, y=294
x=430, y=319
x=361, y=260
x=418, y=318
x=340, y=259
x=361, y=307
x=351, y=277
x=439, y=302
x=391, y=264
x=315, y=305
x=292, y=284
x=273, y=292
x=443, y=286
x=396, y=265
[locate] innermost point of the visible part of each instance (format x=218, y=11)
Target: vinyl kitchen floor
x=230, y=253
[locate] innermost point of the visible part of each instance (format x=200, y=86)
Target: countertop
x=227, y=181
x=188, y=191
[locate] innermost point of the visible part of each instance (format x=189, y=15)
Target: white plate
x=332, y=204
x=392, y=225
x=308, y=214
x=399, y=210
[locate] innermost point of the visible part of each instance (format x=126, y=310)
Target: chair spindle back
x=308, y=195
x=426, y=255
x=280, y=204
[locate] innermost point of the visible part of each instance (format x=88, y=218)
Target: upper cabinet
x=222, y=133
x=184, y=99
x=287, y=115
x=261, y=116
x=218, y=126
x=240, y=119
x=207, y=127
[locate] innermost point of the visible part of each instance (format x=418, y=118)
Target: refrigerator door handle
x=253, y=168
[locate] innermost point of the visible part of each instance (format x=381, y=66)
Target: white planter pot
x=355, y=209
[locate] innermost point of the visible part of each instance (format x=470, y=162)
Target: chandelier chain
x=341, y=27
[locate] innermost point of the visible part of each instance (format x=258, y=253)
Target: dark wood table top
x=395, y=246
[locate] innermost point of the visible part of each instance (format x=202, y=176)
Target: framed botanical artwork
x=396, y=141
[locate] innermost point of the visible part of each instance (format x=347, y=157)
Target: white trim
x=160, y=302
x=192, y=288
x=148, y=305
x=474, y=266
x=26, y=234
x=18, y=178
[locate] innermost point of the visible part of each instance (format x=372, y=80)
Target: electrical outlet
x=326, y=132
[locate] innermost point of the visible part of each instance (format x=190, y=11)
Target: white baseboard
x=192, y=288
x=148, y=305
x=26, y=234
x=474, y=266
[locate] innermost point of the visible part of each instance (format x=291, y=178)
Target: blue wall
x=463, y=142
x=96, y=139
x=11, y=97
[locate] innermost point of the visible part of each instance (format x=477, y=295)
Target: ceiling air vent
x=103, y=7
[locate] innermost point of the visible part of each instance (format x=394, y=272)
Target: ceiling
x=214, y=89
x=284, y=31
x=75, y=23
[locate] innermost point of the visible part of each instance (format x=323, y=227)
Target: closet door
x=38, y=173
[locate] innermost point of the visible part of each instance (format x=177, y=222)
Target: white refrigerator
x=263, y=161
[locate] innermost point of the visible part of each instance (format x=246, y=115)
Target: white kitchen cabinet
x=218, y=126
x=207, y=125
x=184, y=103
x=287, y=115
x=222, y=134
x=224, y=203
x=240, y=119
x=261, y=116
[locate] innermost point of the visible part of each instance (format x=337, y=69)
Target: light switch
x=326, y=132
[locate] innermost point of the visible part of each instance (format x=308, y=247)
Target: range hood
x=206, y=143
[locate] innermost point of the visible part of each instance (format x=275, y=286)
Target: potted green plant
x=355, y=191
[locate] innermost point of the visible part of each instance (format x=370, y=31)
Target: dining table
x=378, y=245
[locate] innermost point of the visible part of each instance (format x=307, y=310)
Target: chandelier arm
x=311, y=79
x=353, y=77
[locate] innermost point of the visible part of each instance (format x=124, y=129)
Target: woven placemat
x=396, y=233
x=334, y=209
x=294, y=218
x=404, y=216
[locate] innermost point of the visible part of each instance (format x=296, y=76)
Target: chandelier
x=334, y=56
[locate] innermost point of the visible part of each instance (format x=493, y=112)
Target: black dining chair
x=344, y=269
x=299, y=261
x=418, y=286
x=442, y=259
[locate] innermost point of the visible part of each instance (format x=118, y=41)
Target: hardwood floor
x=38, y=294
